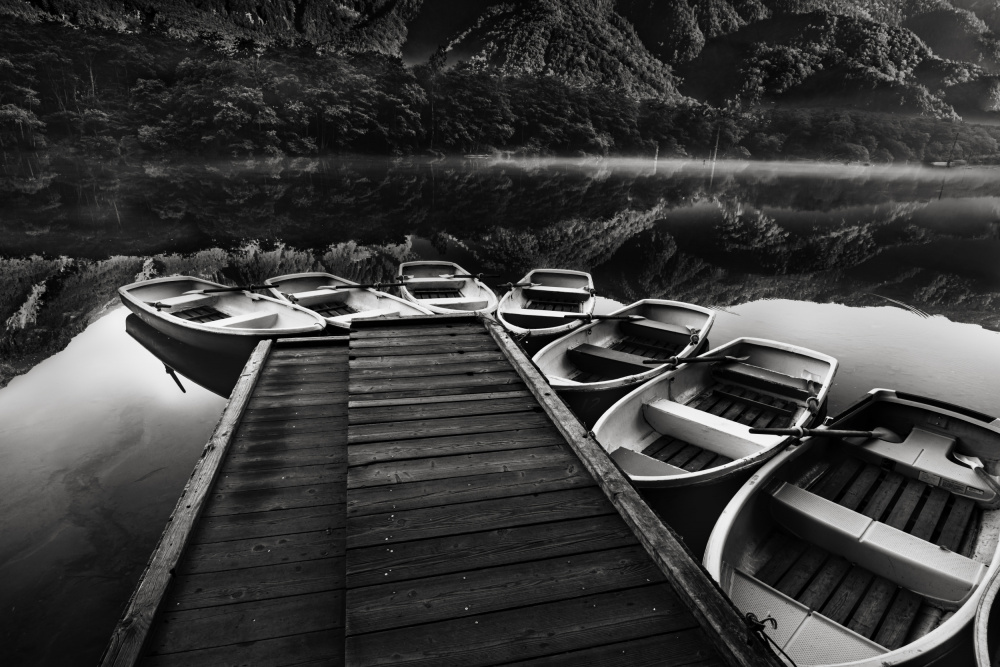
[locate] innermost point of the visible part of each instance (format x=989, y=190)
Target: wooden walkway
x=451, y=513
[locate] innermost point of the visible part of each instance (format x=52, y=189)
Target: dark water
x=896, y=272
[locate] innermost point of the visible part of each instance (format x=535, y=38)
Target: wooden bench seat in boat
x=704, y=429
x=638, y=464
x=366, y=314
x=247, y=321
x=806, y=635
x=435, y=283
x=457, y=303
x=925, y=455
x=534, y=318
x=601, y=360
x=906, y=560
x=319, y=296
x=546, y=293
x=185, y=301
x=763, y=378
x=658, y=331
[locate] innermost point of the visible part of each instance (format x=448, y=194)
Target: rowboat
x=692, y=425
x=339, y=300
x=547, y=303
x=870, y=542
x=227, y=320
x=444, y=287
x=595, y=365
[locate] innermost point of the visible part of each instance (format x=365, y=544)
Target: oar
x=477, y=276
x=513, y=285
x=878, y=432
x=377, y=286
x=171, y=373
x=238, y=288
x=590, y=318
x=691, y=360
x=977, y=467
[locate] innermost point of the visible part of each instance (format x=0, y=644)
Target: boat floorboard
x=744, y=406
x=848, y=594
x=554, y=306
x=925, y=511
x=200, y=314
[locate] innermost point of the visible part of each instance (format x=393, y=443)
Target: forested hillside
x=756, y=78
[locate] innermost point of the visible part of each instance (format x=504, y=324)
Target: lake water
x=894, y=271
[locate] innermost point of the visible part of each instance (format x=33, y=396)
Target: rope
x=755, y=628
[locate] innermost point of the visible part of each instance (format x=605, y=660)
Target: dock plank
x=419, y=470
x=683, y=648
x=395, y=413
x=433, y=382
x=442, y=426
x=526, y=633
x=213, y=589
x=211, y=627
x=255, y=552
x=436, y=598
x=254, y=525
x=261, y=500
x=425, y=361
x=473, y=551
x=451, y=445
x=307, y=648
x=474, y=516
x=230, y=480
x=458, y=368
x=416, y=495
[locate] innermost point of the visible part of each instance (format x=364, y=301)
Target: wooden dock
x=418, y=496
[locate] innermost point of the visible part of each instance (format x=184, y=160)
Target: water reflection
x=216, y=372
x=95, y=445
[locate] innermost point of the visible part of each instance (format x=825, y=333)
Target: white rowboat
x=230, y=321
x=337, y=300
x=444, y=287
x=692, y=425
x=547, y=302
x=870, y=543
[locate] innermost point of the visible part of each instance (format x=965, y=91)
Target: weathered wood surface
x=475, y=534
x=260, y=579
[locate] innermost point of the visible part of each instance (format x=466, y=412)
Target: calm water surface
x=894, y=272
